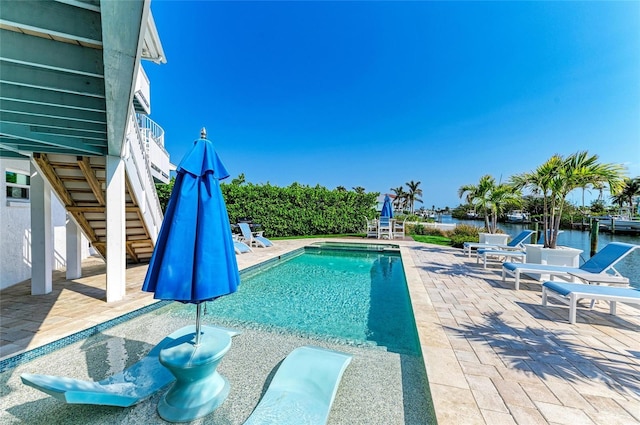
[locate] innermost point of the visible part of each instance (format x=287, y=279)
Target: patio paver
x=523, y=362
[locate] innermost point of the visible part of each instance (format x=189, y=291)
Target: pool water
x=356, y=297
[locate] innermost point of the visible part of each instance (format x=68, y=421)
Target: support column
x=74, y=250
x=41, y=235
x=116, y=229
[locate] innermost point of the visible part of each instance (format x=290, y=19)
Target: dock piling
x=595, y=226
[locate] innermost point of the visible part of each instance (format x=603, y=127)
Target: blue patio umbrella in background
x=387, y=208
x=193, y=262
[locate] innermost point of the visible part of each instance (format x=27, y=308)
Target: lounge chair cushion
x=263, y=241
x=565, y=289
x=608, y=256
x=572, y=292
x=541, y=267
x=253, y=238
x=241, y=247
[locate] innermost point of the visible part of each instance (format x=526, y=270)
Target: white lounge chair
x=570, y=293
x=303, y=389
x=240, y=247
x=502, y=254
x=517, y=243
x=253, y=238
x=602, y=262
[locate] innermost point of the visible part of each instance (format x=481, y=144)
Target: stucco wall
x=15, y=231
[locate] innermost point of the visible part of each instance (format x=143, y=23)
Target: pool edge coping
x=446, y=379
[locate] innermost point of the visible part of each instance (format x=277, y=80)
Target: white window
x=17, y=186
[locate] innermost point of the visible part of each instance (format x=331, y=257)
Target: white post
x=41, y=235
x=74, y=250
x=116, y=229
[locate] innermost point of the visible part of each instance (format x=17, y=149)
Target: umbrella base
x=199, y=389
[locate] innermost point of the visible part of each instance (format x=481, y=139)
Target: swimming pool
x=380, y=385
x=353, y=293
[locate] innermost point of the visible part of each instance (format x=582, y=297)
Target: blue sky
x=376, y=94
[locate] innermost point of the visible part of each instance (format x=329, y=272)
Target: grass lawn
x=436, y=240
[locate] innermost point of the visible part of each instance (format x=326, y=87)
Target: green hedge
x=297, y=209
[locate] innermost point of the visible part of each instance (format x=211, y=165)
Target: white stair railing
x=157, y=155
x=142, y=183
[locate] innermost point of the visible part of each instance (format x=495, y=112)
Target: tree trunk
x=556, y=226
x=545, y=223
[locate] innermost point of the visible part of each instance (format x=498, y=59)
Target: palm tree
x=400, y=199
x=540, y=183
x=413, y=194
x=618, y=199
x=475, y=195
x=630, y=191
x=501, y=197
x=627, y=194
x=490, y=198
x=558, y=176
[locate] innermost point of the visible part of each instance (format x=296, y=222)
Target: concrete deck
x=493, y=355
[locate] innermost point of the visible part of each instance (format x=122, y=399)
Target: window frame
x=17, y=185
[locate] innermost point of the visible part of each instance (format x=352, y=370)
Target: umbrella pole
x=197, y=324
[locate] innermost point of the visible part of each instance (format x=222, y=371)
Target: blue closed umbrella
x=194, y=258
x=387, y=209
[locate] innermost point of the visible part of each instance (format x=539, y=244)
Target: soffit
x=55, y=90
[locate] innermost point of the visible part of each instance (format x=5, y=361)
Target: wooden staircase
x=79, y=182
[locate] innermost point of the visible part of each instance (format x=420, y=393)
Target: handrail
x=155, y=132
x=144, y=188
x=149, y=179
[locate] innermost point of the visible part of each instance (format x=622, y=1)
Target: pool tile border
x=27, y=356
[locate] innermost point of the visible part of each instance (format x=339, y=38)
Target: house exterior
x=15, y=231
x=79, y=155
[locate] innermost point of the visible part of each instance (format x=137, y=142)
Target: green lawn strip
x=436, y=240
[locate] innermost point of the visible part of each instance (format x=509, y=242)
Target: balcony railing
x=152, y=135
x=151, y=129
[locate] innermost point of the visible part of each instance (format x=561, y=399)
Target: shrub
x=465, y=230
x=298, y=210
x=416, y=229
x=420, y=229
x=459, y=240
x=433, y=231
x=463, y=233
